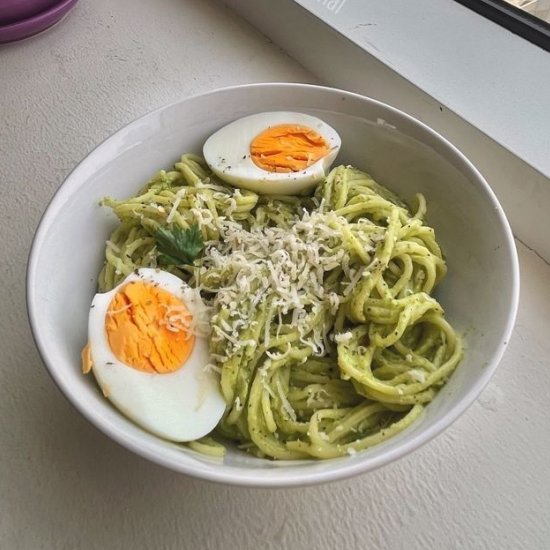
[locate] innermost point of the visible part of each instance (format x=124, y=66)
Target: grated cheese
x=285, y=266
x=343, y=337
x=210, y=367
x=287, y=407
x=179, y=196
x=418, y=374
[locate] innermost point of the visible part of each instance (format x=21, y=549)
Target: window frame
x=514, y=19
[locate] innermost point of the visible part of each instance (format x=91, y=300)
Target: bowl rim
x=233, y=476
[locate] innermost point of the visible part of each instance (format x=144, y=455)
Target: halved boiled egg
x=273, y=153
x=148, y=350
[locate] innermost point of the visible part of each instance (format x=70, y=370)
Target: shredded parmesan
x=343, y=337
x=210, y=367
x=278, y=356
x=237, y=404
x=287, y=407
x=179, y=196
x=282, y=267
x=418, y=374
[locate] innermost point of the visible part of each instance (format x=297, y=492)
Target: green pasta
x=324, y=329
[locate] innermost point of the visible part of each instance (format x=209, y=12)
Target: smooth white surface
x=338, y=61
x=484, y=484
x=491, y=77
x=479, y=294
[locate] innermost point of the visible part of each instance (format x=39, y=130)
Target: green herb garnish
x=178, y=246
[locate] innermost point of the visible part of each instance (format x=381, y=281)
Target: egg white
x=180, y=406
x=227, y=153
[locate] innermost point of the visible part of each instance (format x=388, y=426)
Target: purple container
x=23, y=28
x=12, y=11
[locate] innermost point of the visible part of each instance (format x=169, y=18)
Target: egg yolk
x=148, y=328
x=287, y=148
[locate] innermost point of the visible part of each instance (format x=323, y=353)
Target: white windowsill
x=484, y=88
x=489, y=76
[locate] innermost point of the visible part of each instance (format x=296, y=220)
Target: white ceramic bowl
x=480, y=294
